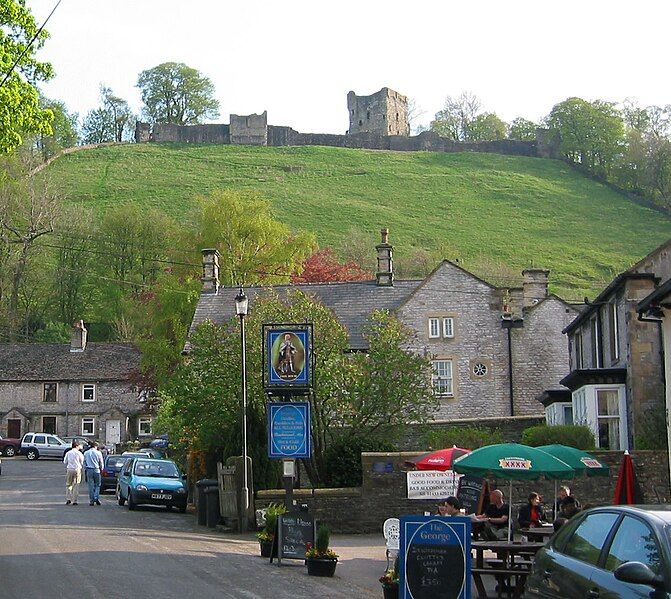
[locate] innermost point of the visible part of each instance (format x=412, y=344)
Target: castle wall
x=249, y=130
x=195, y=134
x=384, y=112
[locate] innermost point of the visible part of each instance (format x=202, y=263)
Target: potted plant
x=267, y=535
x=321, y=560
x=389, y=581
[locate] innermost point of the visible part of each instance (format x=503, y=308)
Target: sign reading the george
x=435, y=557
x=432, y=484
x=287, y=357
x=289, y=430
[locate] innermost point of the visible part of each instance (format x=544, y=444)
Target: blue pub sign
x=289, y=430
x=287, y=358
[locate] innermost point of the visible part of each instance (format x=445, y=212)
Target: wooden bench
x=503, y=577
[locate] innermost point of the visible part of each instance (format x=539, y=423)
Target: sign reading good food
x=514, y=464
x=591, y=462
x=431, y=484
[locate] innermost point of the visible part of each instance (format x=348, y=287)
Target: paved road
x=48, y=549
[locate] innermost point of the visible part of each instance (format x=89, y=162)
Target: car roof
x=661, y=512
x=157, y=460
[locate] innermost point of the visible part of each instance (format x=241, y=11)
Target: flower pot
x=390, y=592
x=266, y=548
x=321, y=566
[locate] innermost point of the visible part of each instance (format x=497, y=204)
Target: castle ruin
x=384, y=112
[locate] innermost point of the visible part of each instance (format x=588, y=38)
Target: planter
x=390, y=592
x=266, y=548
x=321, y=566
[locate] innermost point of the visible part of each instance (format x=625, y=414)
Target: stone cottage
x=78, y=389
x=493, y=349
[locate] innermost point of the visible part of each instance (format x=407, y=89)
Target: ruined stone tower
x=384, y=112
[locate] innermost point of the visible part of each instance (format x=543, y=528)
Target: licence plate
x=160, y=496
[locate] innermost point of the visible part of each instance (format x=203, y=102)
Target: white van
x=37, y=445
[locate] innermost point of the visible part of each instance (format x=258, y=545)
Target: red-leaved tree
x=323, y=267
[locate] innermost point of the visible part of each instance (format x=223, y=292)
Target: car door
x=53, y=447
x=633, y=541
x=566, y=568
x=124, y=478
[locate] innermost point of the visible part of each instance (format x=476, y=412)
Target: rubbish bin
x=201, y=485
x=212, y=502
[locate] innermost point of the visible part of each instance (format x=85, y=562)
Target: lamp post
x=241, y=305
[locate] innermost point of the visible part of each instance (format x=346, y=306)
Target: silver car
x=37, y=445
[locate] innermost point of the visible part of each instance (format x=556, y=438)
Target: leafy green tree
x=454, y=119
x=98, y=126
x=20, y=111
x=64, y=130
x=172, y=92
x=522, y=130
x=111, y=121
x=254, y=247
x=486, y=127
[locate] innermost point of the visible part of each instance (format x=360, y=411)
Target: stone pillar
x=210, y=278
x=385, y=273
x=142, y=132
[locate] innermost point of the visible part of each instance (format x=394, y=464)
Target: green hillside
x=474, y=207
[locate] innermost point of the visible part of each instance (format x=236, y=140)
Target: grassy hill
x=479, y=208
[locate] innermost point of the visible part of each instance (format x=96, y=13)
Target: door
x=14, y=428
x=54, y=447
x=49, y=424
x=112, y=432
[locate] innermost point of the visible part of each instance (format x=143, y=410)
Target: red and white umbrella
x=438, y=460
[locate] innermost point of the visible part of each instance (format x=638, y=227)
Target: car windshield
x=159, y=469
x=116, y=461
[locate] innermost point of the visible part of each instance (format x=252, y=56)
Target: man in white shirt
x=94, y=464
x=74, y=461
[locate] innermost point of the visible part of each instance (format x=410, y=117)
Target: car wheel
x=10, y=451
x=120, y=500
x=32, y=454
x=131, y=503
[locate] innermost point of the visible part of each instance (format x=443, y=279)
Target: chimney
x=210, y=278
x=385, y=273
x=78, y=338
x=534, y=286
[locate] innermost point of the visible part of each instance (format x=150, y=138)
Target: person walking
x=94, y=464
x=74, y=461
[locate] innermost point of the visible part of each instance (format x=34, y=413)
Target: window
x=441, y=380
x=577, y=350
x=588, y=538
x=88, y=392
x=567, y=412
x=596, y=345
x=608, y=415
x=88, y=426
x=613, y=333
x=448, y=327
x=53, y=441
x=50, y=392
x=49, y=424
x=368, y=115
x=441, y=327
x=434, y=328
x=634, y=542
x=40, y=439
x=144, y=425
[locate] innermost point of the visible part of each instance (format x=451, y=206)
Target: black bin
x=212, y=503
x=201, y=511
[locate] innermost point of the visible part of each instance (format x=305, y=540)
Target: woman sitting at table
x=531, y=515
x=449, y=507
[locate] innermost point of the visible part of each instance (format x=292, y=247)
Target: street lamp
x=241, y=305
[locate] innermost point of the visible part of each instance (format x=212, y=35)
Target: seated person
x=531, y=515
x=495, y=518
x=449, y=507
x=563, y=495
x=569, y=508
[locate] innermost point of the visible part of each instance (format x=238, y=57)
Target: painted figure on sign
x=287, y=353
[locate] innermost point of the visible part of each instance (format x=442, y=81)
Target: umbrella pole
x=554, y=507
x=510, y=511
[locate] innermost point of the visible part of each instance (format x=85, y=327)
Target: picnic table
x=539, y=533
x=510, y=568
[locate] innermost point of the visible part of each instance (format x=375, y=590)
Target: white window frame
x=585, y=411
x=434, y=328
x=448, y=327
x=86, y=386
x=88, y=420
x=437, y=379
x=144, y=420
x=615, y=337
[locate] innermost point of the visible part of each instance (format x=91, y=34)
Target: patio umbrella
x=582, y=463
x=438, y=460
x=512, y=461
x=627, y=489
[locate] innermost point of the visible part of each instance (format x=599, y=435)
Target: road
x=48, y=549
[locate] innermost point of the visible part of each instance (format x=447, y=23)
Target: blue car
x=154, y=482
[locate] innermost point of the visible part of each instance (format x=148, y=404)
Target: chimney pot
x=78, y=337
x=385, y=269
x=210, y=278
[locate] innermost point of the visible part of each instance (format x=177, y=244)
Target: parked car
x=134, y=454
x=37, y=445
x=152, y=453
x=149, y=481
x=613, y=551
x=110, y=473
x=9, y=447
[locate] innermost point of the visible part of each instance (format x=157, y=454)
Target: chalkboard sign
x=435, y=557
x=473, y=494
x=294, y=530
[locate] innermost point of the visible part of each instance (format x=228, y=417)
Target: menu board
x=294, y=530
x=473, y=494
x=435, y=557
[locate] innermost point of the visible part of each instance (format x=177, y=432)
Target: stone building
x=464, y=323
x=384, y=112
x=77, y=389
x=616, y=375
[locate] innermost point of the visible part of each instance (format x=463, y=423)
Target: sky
x=298, y=59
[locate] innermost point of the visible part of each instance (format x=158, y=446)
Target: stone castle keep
x=376, y=122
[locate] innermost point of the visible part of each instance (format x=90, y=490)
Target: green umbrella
x=514, y=462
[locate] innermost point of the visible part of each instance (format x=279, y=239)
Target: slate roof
x=351, y=302
x=55, y=362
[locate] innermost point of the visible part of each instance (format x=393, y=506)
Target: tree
x=64, y=129
x=20, y=111
x=111, y=121
x=175, y=93
x=454, y=119
x=324, y=267
x=522, y=130
x=98, y=126
x=254, y=247
x=486, y=127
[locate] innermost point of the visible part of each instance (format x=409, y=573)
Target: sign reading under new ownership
x=435, y=557
x=289, y=429
x=287, y=355
x=431, y=484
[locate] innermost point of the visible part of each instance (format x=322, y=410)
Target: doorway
x=49, y=425
x=112, y=432
x=14, y=428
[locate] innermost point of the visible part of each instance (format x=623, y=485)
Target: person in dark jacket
x=531, y=515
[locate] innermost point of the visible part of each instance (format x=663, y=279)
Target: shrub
x=321, y=548
x=580, y=437
x=652, y=429
x=468, y=437
x=273, y=510
x=343, y=460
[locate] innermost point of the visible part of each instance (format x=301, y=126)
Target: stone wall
x=382, y=494
x=384, y=112
x=250, y=130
